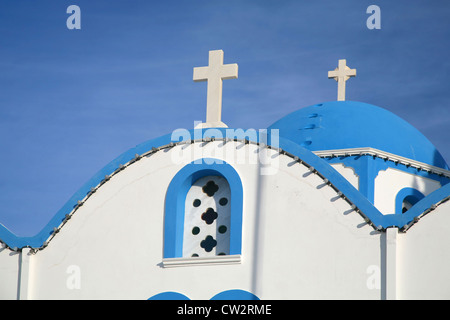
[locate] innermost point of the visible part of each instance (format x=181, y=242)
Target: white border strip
x=383, y=155
x=200, y=261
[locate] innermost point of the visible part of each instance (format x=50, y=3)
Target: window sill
x=201, y=261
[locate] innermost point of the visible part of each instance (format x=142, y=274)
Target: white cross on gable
x=341, y=74
x=214, y=73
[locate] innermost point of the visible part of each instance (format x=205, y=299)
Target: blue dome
x=350, y=124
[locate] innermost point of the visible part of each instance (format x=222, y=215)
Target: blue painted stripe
x=38, y=240
x=293, y=148
x=404, y=193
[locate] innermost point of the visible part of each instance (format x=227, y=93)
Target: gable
x=285, y=147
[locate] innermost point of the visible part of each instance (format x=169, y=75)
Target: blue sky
x=73, y=100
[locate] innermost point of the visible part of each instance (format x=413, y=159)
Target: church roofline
x=354, y=124
x=316, y=165
x=383, y=155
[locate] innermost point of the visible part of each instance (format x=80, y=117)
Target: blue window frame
x=411, y=195
x=176, y=198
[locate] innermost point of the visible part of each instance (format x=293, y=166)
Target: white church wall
x=9, y=272
x=324, y=247
x=424, y=257
x=300, y=239
x=390, y=181
x=348, y=173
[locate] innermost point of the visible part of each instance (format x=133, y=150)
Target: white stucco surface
x=390, y=181
x=300, y=240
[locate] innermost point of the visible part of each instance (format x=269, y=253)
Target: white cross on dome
x=341, y=74
x=214, y=73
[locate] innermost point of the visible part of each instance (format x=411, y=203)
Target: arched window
x=203, y=211
x=207, y=218
x=406, y=198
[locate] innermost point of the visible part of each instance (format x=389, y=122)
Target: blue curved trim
x=404, y=193
x=367, y=167
x=169, y=295
x=38, y=240
x=336, y=179
x=235, y=294
x=363, y=204
x=293, y=148
x=176, y=197
x=426, y=203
